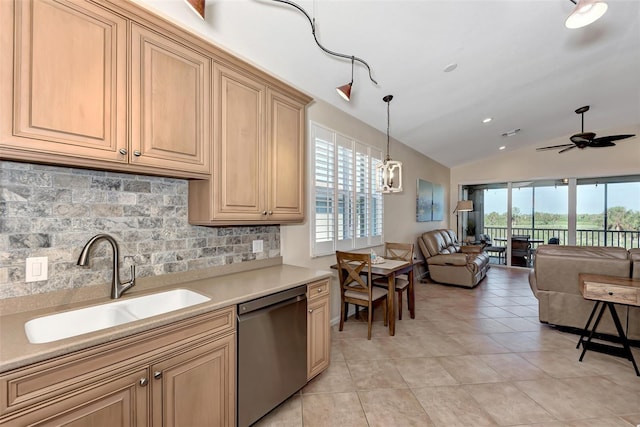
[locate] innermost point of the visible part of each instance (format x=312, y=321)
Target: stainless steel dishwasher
x=272, y=352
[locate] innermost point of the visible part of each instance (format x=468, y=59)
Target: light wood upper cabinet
x=285, y=145
x=67, y=80
x=239, y=184
x=258, y=155
x=170, y=103
x=76, y=102
x=109, y=85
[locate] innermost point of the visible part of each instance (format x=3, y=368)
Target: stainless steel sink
x=90, y=319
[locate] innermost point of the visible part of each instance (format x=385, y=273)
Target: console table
x=608, y=290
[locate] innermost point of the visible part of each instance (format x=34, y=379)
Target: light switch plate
x=257, y=246
x=37, y=269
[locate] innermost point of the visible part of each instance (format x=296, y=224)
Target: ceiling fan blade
x=610, y=138
x=601, y=144
x=567, y=149
x=553, y=147
x=581, y=138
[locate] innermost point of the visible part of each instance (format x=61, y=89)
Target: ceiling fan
x=586, y=139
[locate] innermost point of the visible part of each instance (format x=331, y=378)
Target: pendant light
x=586, y=12
x=197, y=6
x=389, y=172
x=345, y=90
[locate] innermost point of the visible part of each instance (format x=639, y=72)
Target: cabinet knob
x=122, y=151
x=264, y=212
x=270, y=212
x=137, y=153
x=157, y=375
x=144, y=382
x=311, y=310
x=319, y=290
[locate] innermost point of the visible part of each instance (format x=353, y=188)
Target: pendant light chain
x=388, y=99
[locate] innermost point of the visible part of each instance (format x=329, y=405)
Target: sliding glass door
x=606, y=212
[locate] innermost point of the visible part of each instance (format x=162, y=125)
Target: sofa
x=634, y=255
x=554, y=282
x=451, y=263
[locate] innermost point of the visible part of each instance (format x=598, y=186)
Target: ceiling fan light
x=345, y=91
x=586, y=12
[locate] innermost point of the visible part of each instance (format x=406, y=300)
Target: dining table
x=389, y=269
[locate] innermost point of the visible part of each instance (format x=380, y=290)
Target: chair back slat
x=399, y=251
x=351, y=268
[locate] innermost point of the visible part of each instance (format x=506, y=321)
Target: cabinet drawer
x=318, y=289
x=612, y=293
x=52, y=378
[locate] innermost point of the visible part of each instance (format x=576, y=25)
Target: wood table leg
x=411, y=297
x=391, y=316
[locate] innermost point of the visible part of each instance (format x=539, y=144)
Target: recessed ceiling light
x=449, y=68
x=487, y=120
x=511, y=132
x=502, y=147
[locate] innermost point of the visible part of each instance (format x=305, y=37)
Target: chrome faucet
x=117, y=288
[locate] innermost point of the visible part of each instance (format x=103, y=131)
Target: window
x=551, y=212
x=348, y=212
x=608, y=212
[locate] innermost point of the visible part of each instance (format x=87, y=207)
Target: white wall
x=526, y=163
x=399, y=209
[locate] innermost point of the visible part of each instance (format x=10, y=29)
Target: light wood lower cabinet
x=195, y=388
x=118, y=401
x=318, y=328
x=180, y=374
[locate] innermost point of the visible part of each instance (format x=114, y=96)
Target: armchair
x=449, y=262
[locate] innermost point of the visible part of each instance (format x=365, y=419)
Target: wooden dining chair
x=520, y=251
x=354, y=272
x=403, y=252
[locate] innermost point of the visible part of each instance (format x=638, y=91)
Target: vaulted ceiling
x=516, y=63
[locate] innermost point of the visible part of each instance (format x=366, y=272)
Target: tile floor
x=471, y=357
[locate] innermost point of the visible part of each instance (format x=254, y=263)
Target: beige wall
x=399, y=209
x=528, y=164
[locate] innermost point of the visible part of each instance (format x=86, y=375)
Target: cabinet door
x=318, y=328
x=119, y=401
x=239, y=193
x=286, y=158
x=69, y=81
x=170, y=103
x=318, y=337
x=197, y=387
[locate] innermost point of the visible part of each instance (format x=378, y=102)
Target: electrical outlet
x=257, y=246
x=37, y=269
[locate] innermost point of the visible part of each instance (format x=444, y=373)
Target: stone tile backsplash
x=53, y=211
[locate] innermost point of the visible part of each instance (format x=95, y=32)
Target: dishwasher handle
x=281, y=298
x=243, y=317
